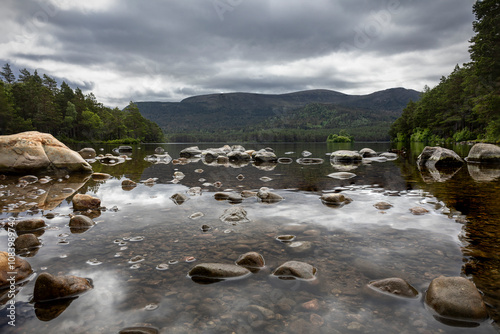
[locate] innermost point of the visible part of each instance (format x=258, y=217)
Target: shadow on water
x=143, y=244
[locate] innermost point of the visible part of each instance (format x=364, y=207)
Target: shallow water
x=144, y=244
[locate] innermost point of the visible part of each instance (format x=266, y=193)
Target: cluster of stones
x=440, y=164
x=47, y=287
x=236, y=154
x=247, y=264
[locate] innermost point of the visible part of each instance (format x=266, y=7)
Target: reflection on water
x=143, y=245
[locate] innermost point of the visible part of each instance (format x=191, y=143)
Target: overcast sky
x=152, y=50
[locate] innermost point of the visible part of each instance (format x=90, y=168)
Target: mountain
x=237, y=111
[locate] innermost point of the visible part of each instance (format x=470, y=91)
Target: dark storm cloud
x=171, y=49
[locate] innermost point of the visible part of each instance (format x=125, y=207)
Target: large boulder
x=49, y=287
x=438, y=156
x=456, y=298
x=367, y=153
x=20, y=266
x=484, y=153
x=34, y=151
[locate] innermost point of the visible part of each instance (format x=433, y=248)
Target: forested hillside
x=465, y=105
x=300, y=116
x=34, y=102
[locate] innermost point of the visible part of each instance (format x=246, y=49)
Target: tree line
x=34, y=102
x=465, y=105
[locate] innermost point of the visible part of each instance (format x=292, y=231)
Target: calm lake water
x=143, y=245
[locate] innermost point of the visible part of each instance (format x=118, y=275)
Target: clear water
x=143, y=245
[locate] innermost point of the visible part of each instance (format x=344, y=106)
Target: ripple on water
x=94, y=262
x=138, y=238
x=151, y=307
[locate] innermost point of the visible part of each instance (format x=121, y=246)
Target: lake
x=143, y=245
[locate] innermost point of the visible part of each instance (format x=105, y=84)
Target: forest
x=465, y=105
x=34, y=102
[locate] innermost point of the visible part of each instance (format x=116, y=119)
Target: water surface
x=143, y=245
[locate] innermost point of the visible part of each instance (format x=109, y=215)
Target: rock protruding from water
x=346, y=156
x=484, y=153
x=438, y=156
x=27, y=225
x=179, y=198
x=265, y=156
x=25, y=242
x=81, y=221
x=83, y=202
x=251, y=260
x=217, y=271
x=383, y=205
x=87, y=153
x=13, y=264
x=35, y=151
x=342, y=175
x=190, y=152
x=335, y=199
x=295, y=270
x=234, y=215
x=128, y=185
x=395, y=286
x=456, y=298
x=267, y=196
x=418, y=211
x=49, y=287
x=367, y=153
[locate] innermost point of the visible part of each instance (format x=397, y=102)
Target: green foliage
x=37, y=103
x=465, y=105
x=342, y=137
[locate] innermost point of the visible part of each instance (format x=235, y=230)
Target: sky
x=152, y=50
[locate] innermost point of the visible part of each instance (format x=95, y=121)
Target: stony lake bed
x=143, y=244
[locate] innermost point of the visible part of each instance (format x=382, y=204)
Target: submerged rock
x=13, y=264
x=49, y=287
x=100, y=176
x=484, y=153
x=36, y=151
x=456, y=298
x=396, y=286
x=295, y=270
x=234, y=215
x=83, y=202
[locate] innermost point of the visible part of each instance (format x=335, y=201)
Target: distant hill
x=254, y=112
